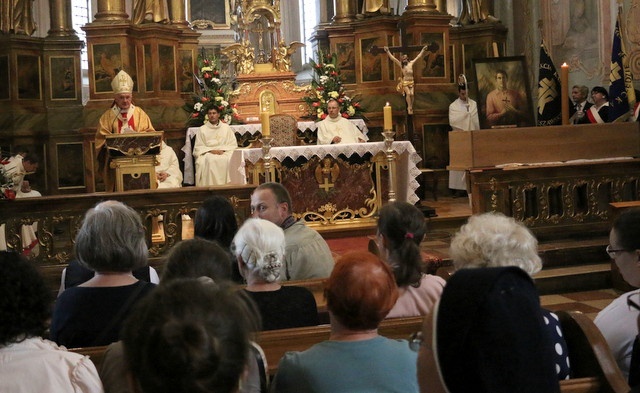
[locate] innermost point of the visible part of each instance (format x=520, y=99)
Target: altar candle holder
x=266, y=157
x=388, y=145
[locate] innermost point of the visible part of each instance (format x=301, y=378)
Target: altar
x=240, y=130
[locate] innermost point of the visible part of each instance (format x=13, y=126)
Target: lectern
x=133, y=156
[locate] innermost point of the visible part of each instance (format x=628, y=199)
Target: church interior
x=266, y=64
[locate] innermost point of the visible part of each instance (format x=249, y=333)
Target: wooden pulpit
x=133, y=156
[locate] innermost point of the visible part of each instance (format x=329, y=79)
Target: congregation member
x=578, y=112
x=214, y=144
x=618, y=321
x=76, y=273
x=598, y=113
x=495, y=240
x=336, y=129
x=123, y=117
x=168, y=174
x=190, y=335
x=307, y=254
x=487, y=335
x=111, y=242
x=401, y=229
x=463, y=116
x=259, y=247
x=28, y=362
x=216, y=221
x=360, y=292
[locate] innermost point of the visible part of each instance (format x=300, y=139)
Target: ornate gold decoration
x=327, y=174
x=242, y=54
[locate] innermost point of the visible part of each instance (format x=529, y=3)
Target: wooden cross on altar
x=375, y=50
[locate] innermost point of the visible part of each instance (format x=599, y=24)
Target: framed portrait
x=432, y=64
x=63, y=77
x=346, y=61
x=148, y=68
x=29, y=77
x=70, y=175
x=371, y=65
x=4, y=78
x=167, y=68
x=502, y=91
x=209, y=14
x=186, y=71
x=107, y=62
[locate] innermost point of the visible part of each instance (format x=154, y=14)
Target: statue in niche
x=474, y=11
x=150, y=11
x=17, y=17
x=376, y=7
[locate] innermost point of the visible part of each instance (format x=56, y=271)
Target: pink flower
x=195, y=115
x=207, y=75
x=345, y=115
x=356, y=105
x=316, y=104
x=324, y=115
x=205, y=99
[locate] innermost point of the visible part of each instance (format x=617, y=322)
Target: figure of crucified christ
x=405, y=84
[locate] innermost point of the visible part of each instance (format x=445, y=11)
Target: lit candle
x=264, y=120
x=564, y=92
x=388, y=117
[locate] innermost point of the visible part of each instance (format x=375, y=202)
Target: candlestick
x=388, y=117
x=564, y=95
x=264, y=120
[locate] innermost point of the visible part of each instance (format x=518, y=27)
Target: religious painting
x=209, y=14
x=167, y=68
x=4, y=78
x=70, y=173
x=63, y=77
x=504, y=98
x=148, y=68
x=435, y=145
x=432, y=64
x=107, y=62
x=390, y=66
x=29, y=77
x=347, y=61
x=371, y=65
x=186, y=71
x=470, y=52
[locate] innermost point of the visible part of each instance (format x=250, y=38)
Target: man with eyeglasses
x=618, y=322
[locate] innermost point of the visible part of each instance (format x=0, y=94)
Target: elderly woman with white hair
x=486, y=241
x=111, y=242
x=259, y=248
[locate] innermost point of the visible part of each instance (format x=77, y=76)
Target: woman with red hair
x=360, y=292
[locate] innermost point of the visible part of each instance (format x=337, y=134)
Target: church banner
x=622, y=96
x=549, y=104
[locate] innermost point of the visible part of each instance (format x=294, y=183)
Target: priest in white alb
x=336, y=129
x=463, y=116
x=168, y=173
x=215, y=142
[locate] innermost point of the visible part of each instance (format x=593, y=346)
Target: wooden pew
x=276, y=342
x=593, y=367
x=96, y=354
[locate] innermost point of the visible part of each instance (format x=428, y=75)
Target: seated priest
x=336, y=129
x=215, y=142
x=168, y=173
x=123, y=117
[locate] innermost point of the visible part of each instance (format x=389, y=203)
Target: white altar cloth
x=189, y=171
x=406, y=169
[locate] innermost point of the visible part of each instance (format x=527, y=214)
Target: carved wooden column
x=110, y=10
x=60, y=15
x=178, y=13
x=345, y=11
x=421, y=6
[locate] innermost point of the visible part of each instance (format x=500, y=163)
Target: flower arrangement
x=214, y=91
x=327, y=84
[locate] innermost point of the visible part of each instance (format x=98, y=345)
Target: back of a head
x=112, y=238
x=361, y=290
x=403, y=227
x=490, y=334
x=195, y=258
x=32, y=158
x=627, y=227
x=260, y=244
x=25, y=300
x=189, y=337
x=216, y=220
x=492, y=240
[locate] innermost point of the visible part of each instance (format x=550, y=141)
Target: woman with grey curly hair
x=259, y=248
